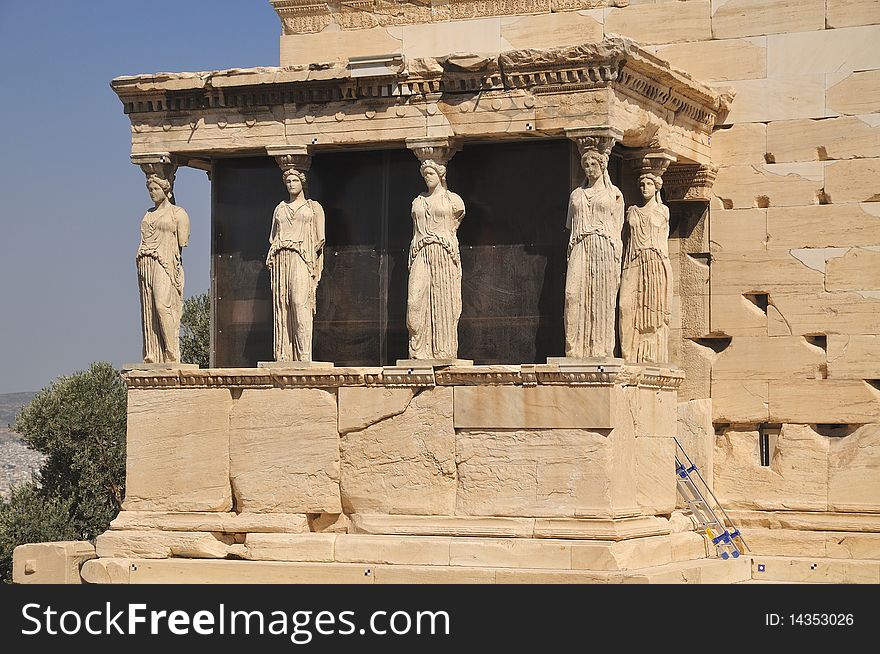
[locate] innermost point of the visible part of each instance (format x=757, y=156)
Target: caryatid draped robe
x=164, y=231
x=595, y=218
x=434, y=293
x=295, y=263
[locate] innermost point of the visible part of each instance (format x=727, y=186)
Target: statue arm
x=457, y=207
x=182, y=227
x=569, y=218
x=618, y=217
x=320, y=237
x=618, y=208
x=273, y=231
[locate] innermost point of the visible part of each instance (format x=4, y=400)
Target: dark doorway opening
x=513, y=243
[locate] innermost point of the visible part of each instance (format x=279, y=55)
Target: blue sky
x=71, y=200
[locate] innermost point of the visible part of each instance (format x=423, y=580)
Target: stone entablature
x=310, y=16
x=518, y=94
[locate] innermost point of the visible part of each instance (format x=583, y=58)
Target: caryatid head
x=595, y=164
x=295, y=181
x=650, y=185
x=433, y=173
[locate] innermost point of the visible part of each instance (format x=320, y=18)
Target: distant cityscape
x=17, y=461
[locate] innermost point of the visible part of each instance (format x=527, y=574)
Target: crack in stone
x=781, y=315
x=385, y=418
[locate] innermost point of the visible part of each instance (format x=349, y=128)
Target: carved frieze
x=575, y=5
x=357, y=14
x=302, y=16
x=395, y=12
x=461, y=9
x=309, y=16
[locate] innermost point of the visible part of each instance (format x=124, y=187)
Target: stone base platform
x=146, y=571
x=451, y=470
x=294, y=365
x=151, y=555
x=443, y=551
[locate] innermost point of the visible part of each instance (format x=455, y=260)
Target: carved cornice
x=555, y=70
x=324, y=378
x=580, y=374
x=231, y=378
x=689, y=182
x=452, y=95
x=400, y=376
x=253, y=378
x=615, y=63
x=661, y=377
x=499, y=375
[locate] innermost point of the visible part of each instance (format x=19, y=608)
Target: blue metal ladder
x=720, y=530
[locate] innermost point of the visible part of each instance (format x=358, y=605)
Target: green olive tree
x=78, y=423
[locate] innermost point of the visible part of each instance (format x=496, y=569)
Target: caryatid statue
x=646, y=284
x=164, y=233
x=434, y=289
x=595, y=248
x=295, y=260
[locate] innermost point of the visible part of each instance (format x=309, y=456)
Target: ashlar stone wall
x=790, y=249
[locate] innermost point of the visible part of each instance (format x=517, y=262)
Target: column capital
x=156, y=163
x=433, y=148
x=651, y=160
x=298, y=157
x=601, y=138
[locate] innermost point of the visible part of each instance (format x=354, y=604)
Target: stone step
x=201, y=571
x=815, y=570
x=817, y=544
x=525, y=553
